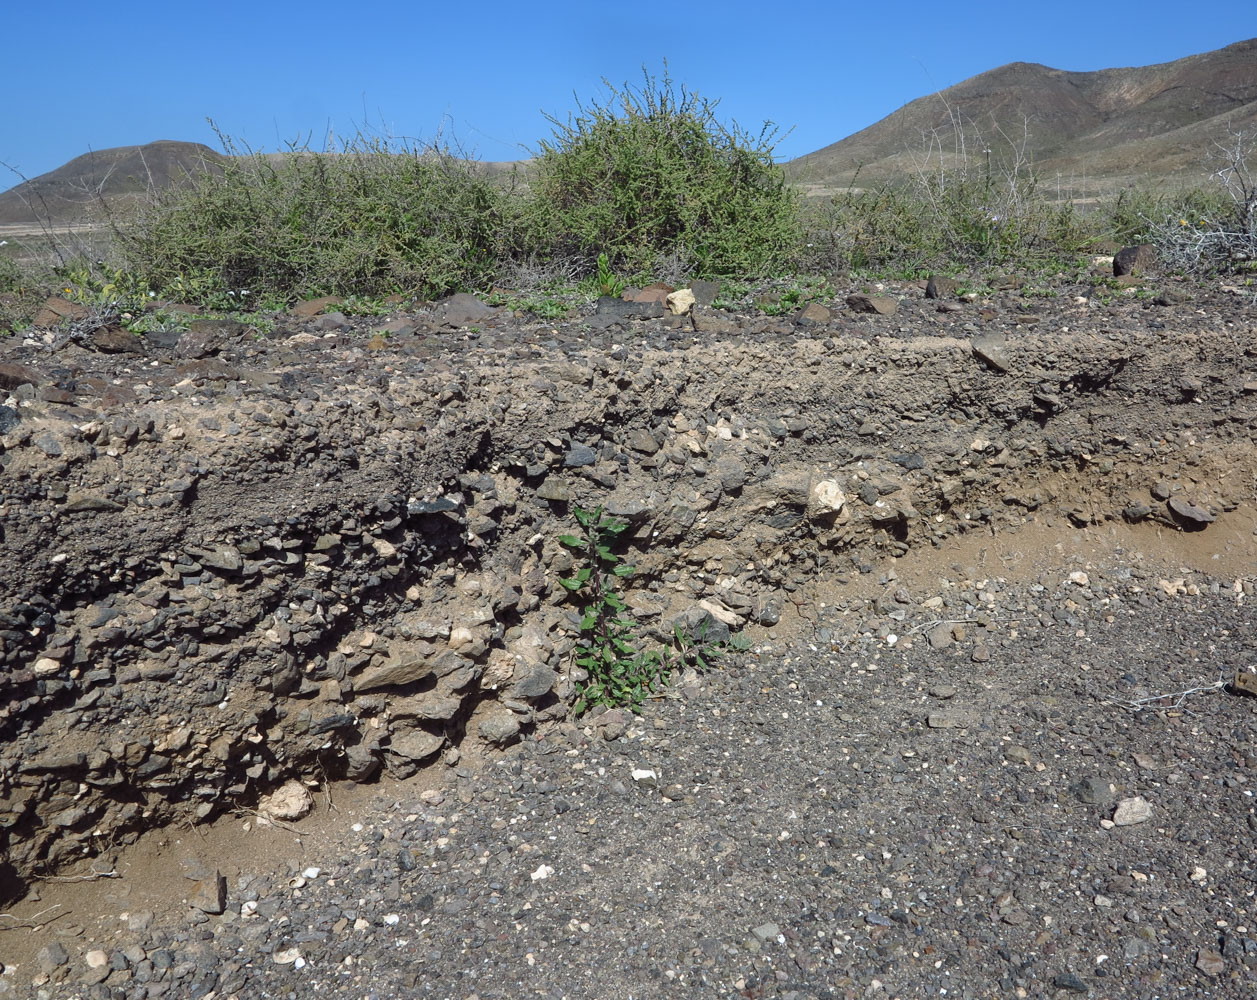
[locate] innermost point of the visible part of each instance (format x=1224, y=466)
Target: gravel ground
x=908, y=798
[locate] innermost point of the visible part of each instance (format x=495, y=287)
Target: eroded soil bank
x=232, y=560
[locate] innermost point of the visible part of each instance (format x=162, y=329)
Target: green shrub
x=370, y=219
x=655, y=181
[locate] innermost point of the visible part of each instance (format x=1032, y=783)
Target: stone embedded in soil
x=813, y=314
x=1189, y=513
x=992, y=350
x=291, y=801
x=210, y=894
x=880, y=305
x=1134, y=260
x=1096, y=791
x=415, y=743
x=1210, y=962
x=500, y=726
x=680, y=302
x=1132, y=811
x=51, y=957
x=766, y=932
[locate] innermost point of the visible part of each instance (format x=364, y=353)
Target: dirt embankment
x=230, y=559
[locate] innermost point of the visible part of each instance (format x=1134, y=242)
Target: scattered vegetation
x=648, y=184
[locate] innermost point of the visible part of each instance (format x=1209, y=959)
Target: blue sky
x=82, y=76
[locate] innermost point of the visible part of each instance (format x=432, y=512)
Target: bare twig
x=960, y=621
x=271, y=820
x=78, y=878
x=32, y=923
x=327, y=787
x=1139, y=704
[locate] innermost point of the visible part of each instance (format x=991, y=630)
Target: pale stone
x=722, y=614
x=291, y=801
x=1132, y=811
x=829, y=496
x=681, y=302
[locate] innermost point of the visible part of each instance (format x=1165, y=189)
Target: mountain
x=1096, y=130
x=74, y=193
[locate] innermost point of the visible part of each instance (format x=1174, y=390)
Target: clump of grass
x=652, y=178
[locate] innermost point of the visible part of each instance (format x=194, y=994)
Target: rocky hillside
x=1112, y=126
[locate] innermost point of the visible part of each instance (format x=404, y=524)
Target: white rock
x=46, y=666
x=461, y=636
x=1132, y=811
x=1080, y=578
x=722, y=614
x=96, y=959
x=288, y=956
x=544, y=871
x=644, y=777
x=829, y=496
x=680, y=302
x=290, y=801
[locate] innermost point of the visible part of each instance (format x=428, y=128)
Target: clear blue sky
x=91, y=75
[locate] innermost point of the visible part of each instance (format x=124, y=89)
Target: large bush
x=368, y=219
x=653, y=179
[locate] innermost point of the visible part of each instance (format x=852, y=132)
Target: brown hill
x=73, y=193
x=1103, y=129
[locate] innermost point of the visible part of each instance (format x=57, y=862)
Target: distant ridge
x=1112, y=127
x=74, y=192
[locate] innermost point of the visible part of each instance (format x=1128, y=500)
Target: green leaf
x=588, y=622
x=624, y=570
x=573, y=540
x=584, y=574
x=572, y=585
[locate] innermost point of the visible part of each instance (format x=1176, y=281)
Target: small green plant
x=608, y=283
x=619, y=672
x=698, y=649
x=551, y=303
